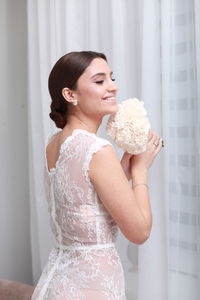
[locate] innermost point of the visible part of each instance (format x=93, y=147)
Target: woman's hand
x=144, y=160
x=126, y=164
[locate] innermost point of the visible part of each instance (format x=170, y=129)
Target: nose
x=112, y=87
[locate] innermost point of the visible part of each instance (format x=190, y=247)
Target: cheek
x=93, y=91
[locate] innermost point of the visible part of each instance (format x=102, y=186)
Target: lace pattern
x=84, y=263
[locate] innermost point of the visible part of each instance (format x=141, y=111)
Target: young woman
x=89, y=193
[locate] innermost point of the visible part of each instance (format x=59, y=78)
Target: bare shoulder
x=107, y=151
x=105, y=159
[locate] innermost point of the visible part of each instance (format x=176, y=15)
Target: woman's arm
x=129, y=207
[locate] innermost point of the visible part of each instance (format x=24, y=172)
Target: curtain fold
x=152, y=263
x=181, y=169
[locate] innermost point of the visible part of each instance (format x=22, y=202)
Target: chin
x=113, y=109
x=109, y=108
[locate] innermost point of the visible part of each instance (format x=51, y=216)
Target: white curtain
x=151, y=46
x=152, y=263
x=180, y=82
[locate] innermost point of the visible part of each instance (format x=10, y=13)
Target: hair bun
x=59, y=119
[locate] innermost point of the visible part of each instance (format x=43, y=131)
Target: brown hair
x=66, y=73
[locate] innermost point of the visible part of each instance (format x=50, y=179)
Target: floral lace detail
x=84, y=265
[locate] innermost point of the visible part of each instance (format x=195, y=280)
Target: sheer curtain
x=181, y=127
x=152, y=258
x=169, y=261
x=152, y=47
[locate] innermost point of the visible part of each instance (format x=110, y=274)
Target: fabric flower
x=129, y=126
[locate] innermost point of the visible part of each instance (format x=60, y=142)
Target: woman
x=89, y=193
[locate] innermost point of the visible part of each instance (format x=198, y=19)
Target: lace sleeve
x=95, y=147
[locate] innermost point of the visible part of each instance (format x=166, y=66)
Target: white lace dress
x=84, y=265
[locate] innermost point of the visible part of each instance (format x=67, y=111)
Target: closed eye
x=101, y=81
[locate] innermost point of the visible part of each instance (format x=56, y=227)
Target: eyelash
x=101, y=81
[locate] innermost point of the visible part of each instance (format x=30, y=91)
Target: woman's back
x=77, y=215
x=85, y=263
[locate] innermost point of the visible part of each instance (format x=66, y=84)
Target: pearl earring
x=75, y=102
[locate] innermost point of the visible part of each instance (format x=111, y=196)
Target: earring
x=75, y=102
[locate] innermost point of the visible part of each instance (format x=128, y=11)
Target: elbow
x=140, y=237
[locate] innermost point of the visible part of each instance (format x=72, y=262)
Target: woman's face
x=96, y=89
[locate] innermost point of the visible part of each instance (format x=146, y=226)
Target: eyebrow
x=100, y=73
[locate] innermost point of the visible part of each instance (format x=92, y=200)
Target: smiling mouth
x=109, y=100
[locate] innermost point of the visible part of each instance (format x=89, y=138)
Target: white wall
x=15, y=253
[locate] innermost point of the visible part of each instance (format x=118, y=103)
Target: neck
x=91, y=125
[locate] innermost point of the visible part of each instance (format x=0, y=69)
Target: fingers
x=158, y=147
x=155, y=141
x=128, y=155
x=150, y=134
x=153, y=137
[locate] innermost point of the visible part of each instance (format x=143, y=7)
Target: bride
x=90, y=197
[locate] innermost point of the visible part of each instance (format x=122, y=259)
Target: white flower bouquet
x=129, y=126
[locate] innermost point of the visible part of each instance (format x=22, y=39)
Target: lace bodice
x=84, y=263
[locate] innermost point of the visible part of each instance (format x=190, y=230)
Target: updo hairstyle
x=66, y=73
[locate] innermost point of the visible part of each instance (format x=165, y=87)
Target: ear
x=68, y=94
